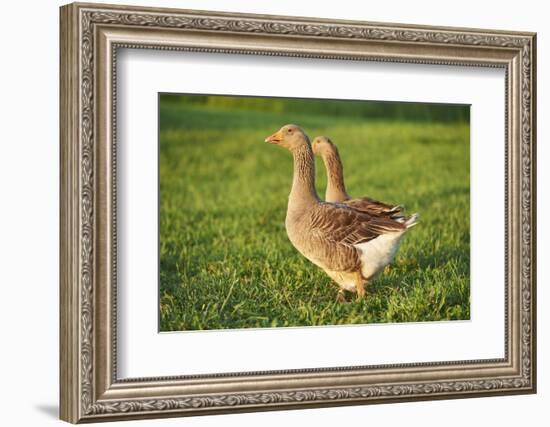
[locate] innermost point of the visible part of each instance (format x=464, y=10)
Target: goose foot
x=341, y=297
x=387, y=269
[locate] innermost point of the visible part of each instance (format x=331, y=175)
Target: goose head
x=322, y=145
x=290, y=136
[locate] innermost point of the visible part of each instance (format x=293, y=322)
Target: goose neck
x=303, y=182
x=336, y=189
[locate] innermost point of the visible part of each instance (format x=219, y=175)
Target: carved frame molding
x=90, y=37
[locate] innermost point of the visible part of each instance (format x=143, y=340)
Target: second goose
x=336, y=189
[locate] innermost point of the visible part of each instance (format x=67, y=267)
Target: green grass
x=225, y=259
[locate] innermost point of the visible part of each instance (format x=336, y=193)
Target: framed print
x=267, y=212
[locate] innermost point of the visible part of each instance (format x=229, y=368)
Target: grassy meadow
x=225, y=259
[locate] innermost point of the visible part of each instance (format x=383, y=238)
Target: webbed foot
x=341, y=297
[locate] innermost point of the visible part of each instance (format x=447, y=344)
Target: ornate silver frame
x=90, y=36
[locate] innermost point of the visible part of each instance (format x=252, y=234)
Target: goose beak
x=274, y=139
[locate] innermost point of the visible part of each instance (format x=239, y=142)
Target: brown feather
x=375, y=207
x=335, y=229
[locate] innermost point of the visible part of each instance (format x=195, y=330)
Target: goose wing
x=375, y=207
x=336, y=229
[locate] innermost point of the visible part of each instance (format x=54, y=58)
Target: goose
x=351, y=246
x=336, y=188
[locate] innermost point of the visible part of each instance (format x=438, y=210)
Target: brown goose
x=351, y=246
x=336, y=189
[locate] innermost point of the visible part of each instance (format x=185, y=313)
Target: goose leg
x=360, y=285
x=360, y=291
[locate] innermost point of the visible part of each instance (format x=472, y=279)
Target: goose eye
x=289, y=130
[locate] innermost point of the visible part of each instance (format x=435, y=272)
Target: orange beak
x=274, y=139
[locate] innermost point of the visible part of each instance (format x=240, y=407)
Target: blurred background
x=334, y=107
x=225, y=259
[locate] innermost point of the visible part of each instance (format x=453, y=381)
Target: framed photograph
x=266, y=212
